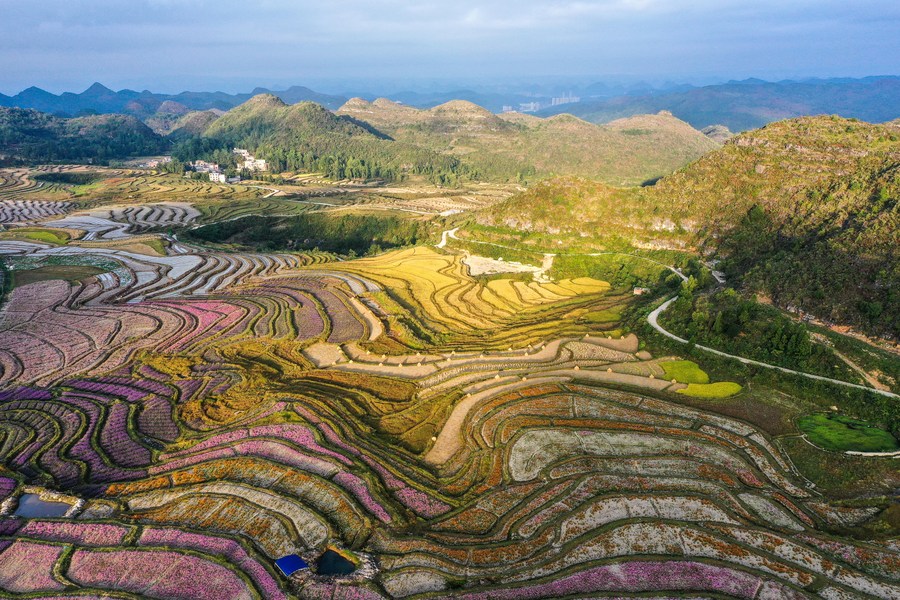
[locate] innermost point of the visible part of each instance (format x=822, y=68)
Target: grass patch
x=722, y=389
x=52, y=272
x=71, y=177
x=843, y=476
x=606, y=315
x=621, y=270
x=841, y=433
x=158, y=245
x=684, y=371
x=48, y=236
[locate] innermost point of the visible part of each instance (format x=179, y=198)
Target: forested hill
x=804, y=210
x=35, y=136
x=627, y=152
x=308, y=137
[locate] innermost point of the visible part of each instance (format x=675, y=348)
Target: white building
x=250, y=162
x=218, y=177
x=254, y=164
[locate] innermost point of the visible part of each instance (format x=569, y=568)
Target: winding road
x=653, y=319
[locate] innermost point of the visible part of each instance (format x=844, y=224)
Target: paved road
x=653, y=319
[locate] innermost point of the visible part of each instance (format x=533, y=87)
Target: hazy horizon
x=352, y=87
x=382, y=46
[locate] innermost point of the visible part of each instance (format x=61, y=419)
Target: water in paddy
x=31, y=506
x=332, y=563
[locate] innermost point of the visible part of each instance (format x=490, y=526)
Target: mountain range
x=625, y=152
x=737, y=105
x=100, y=99
x=744, y=105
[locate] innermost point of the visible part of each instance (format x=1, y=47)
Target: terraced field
x=22, y=199
x=206, y=413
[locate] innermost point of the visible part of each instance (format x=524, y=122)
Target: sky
x=339, y=45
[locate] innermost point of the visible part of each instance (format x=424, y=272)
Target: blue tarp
x=290, y=564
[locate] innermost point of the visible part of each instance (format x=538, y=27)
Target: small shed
x=290, y=564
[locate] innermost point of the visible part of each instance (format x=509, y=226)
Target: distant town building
x=218, y=178
x=567, y=98
x=529, y=107
x=508, y=109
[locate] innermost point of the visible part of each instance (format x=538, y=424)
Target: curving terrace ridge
x=479, y=440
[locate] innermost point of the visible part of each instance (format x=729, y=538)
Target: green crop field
x=841, y=433
x=685, y=371
x=722, y=389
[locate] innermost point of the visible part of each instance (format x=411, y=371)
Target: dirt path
x=445, y=235
x=865, y=374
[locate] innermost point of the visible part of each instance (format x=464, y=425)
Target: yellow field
x=437, y=287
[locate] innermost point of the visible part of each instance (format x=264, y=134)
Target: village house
x=250, y=162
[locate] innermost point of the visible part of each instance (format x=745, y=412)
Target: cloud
x=167, y=42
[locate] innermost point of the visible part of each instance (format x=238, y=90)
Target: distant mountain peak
x=34, y=91
x=170, y=107
x=97, y=89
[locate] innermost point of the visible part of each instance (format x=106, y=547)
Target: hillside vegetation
x=626, y=152
x=308, y=137
x=35, y=136
x=571, y=205
x=350, y=234
x=804, y=211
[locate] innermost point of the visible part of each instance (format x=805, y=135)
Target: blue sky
x=338, y=45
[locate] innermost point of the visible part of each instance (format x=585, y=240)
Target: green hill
x=308, y=137
x=804, y=211
x=191, y=124
x=570, y=206
x=35, y=136
x=626, y=152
